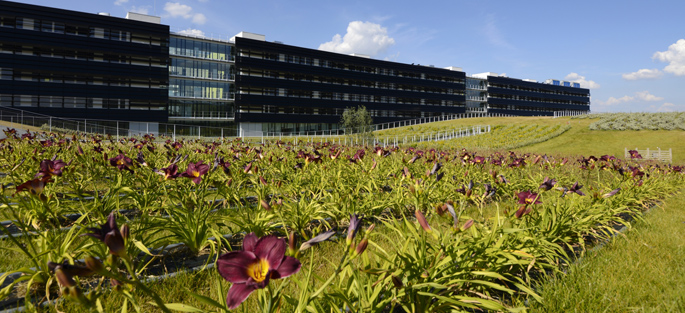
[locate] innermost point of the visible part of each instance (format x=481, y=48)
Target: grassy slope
x=643, y=271
x=580, y=140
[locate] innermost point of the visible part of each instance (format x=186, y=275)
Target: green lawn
x=643, y=271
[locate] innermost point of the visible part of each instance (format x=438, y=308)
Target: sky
x=630, y=54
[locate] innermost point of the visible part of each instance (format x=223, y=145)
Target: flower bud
x=361, y=247
x=265, y=204
x=64, y=279
x=370, y=229
x=94, y=264
x=291, y=244
x=125, y=231
x=397, y=282
x=422, y=221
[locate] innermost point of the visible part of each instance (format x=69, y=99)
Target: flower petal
x=232, y=266
x=272, y=249
x=289, y=266
x=237, y=294
x=249, y=242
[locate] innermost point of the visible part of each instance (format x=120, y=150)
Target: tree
x=356, y=120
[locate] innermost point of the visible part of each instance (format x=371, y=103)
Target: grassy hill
x=579, y=140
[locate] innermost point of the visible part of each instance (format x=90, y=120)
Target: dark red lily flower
x=576, y=189
x=195, y=171
x=51, y=168
x=634, y=154
x=110, y=235
x=527, y=197
x=547, y=184
x=141, y=159
x=34, y=186
x=170, y=172
x=479, y=160
x=251, y=269
x=122, y=162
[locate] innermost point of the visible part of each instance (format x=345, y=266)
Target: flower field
x=411, y=229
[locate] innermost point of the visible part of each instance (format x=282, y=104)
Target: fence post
x=117, y=130
x=50, y=124
x=174, y=134
x=85, y=126
x=198, y=132
x=649, y=156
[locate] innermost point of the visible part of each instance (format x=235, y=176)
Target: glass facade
x=197, y=48
x=201, y=69
x=201, y=84
x=185, y=88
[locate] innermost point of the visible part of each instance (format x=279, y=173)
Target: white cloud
x=361, y=37
x=646, y=96
x=199, y=18
x=576, y=78
x=667, y=107
x=643, y=74
x=141, y=10
x=176, y=9
x=192, y=32
x=493, y=34
x=120, y=2
x=639, y=96
x=614, y=101
x=675, y=56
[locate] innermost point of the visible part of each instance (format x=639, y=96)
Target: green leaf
x=180, y=307
x=207, y=300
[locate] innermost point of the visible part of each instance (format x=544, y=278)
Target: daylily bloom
x=50, y=168
x=34, y=186
x=576, y=189
x=122, y=162
x=251, y=269
x=527, y=197
x=195, y=171
x=547, y=184
x=110, y=235
x=169, y=172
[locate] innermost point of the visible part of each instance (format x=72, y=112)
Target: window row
x=78, y=102
x=19, y=75
x=200, y=89
x=201, y=49
x=296, y=93
x=521, y=108
x=539, y=90
x=274, y=109
x=80, y=30
x=58, y=53
x=536, y=99
x=348, y=82
x=349, y=67
x=202, y=69
x=191, y=108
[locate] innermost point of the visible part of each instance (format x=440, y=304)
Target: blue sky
x=631, y=54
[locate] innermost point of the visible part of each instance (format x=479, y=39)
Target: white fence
x=658, y=154
x=360, y=139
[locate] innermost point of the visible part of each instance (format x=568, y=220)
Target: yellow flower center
x=196, y=173
x=258, y=270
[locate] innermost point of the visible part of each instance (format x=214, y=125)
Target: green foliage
x=356, y=120
x=636, y=121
